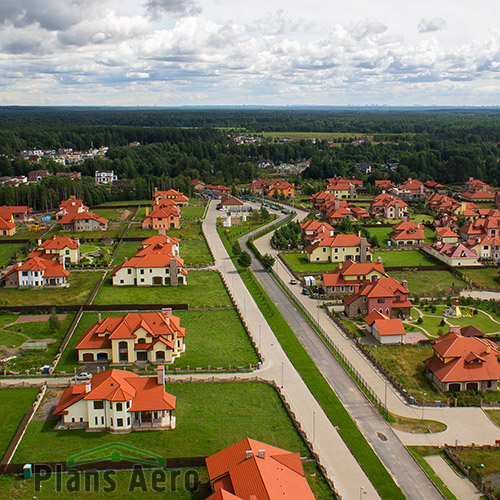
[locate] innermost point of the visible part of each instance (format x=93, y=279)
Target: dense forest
x=178, y=145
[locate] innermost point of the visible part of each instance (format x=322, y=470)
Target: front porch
x=151, y=420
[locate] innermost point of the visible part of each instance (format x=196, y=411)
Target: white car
x=293, y=282
x=83, y=376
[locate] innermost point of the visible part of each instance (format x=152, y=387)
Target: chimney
x=363, y=246
x=455, y=329
x=162, y=231
x=147, y=211
x=166, y=311
x=488, y=349
x=160, y=372
x=88, y=387
x=174, y=278
x=39, y=241
x=248, y=454
x=262, y=453
x=156, y=189
x=405, y=284
x=337, y=204
x=379, y=260
x=100, y=318
x=62, y=261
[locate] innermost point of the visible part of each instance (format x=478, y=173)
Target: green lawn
x=113, y=214
x=210, y=416
x=429, y=236
x=8, y=252
x=208, y=336
x=480, y=320
x=121, y=203
x=404, y=258
x=204, y=288
x=11, y=339
x=127, y=249
x=491, y=461
x=485, y=278
x=429, y=282
x=381, y=234
x=192, y=212
x=81, y=286
x=187, y=231
x=114, y=231
x=195, y=253
x=23, y=234
x=299, y=263
x=14, y=403
x=169, y=486
x=141, y=214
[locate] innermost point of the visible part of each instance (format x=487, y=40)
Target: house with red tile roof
x=490, y=226
x=7, y=227
x=385, y=295
x=446, y=235
x=350, y=276
x=251, y=470
x=58, y=247
x=264, y=187
x=463, y=363
x=314, y=230
x=342, y=189
x=435, y=186
x=453, y=254
x=385, y=329
x=162, y=217
x=83, y=221
x=233, y=204
x=154, y=337
x=486, y=247
x=477, y=191
x=389, y=206
x=441, y=203
x=359, y=213
x=171, y=194
x=340, y=248
x=165, y=202
x=216, y=191
x=159, y=243
x=384, y=184
x=410, y=190
x=118, y=401
x=36, y=273
x=19, y=213
x=407, y=233
x=70, y=206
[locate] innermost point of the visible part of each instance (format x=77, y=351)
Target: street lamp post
x=260, y=336
x=245, y=307
x=282, y=373
x=314, y=426
x=423, y=404
x=361, y=491
x=385, y=398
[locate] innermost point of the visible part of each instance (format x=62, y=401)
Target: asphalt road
x=396, y=458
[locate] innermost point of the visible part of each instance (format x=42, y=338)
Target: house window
x=102, y=420
x=142, y=271
x=129, y=271
x=128, y=405
x=324, y=249
x=128, y=420
x=336, y=250
x=98, y=405
x=142, y=280
x=380, y=301
x=111, y=421
x=119, y=422
x=73, y=420
x=96, y=421
x=121, y=282
x=119, y=406
x=141, y=341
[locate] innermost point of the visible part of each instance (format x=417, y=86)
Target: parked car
x=293, y=282
x=83, y=376
x=305, y=291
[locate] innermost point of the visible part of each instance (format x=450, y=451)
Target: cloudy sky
x=259, y=52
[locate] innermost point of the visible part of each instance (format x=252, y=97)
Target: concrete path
x=460, y=486
x=340, y=465
x=464, y=425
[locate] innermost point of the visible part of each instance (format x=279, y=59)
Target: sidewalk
x=341, y=466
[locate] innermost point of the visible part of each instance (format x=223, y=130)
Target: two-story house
x=340, y=248
x=58, y=247
x=162, y=217
x=36, y=273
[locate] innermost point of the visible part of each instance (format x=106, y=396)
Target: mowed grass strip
x=187, y=231
x=204, y=288
x=14, y=403
x=116, y=485
x=81, y=286
x=299, y=263
x=213, y=339
x=404, y=258
x=210, y=417
x=326, y=397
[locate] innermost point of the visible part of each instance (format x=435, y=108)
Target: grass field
x=204, y=288
x=23, y=234
x=491, y=462
x=115, y=230
x=429, y=282
x=299, y=263
x=113, y=214
x=121, y=203
x=404, y=258
x=494, y=415
x=8, y=252
x=208, y=335
x=127, y=249
x=35, y=330
x=485, y=278
x=192, y=212
x=381, y=234
x=210, y=416
x=14, y=403
x=328, y=136
x=81, y=286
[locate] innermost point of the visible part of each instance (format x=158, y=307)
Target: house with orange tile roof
x=171, y=194
x=263, y=187
x=389, y=206
x=410, y=190
x=463, y=363
x=216, y=191
x=406, y=233
x=350, y=276
x=314, y=230
x=384, y=184
x=7, y=227
x=58, y=247
x=486, y=247
x=385, y=295
x=340, y=248
x=162, y=217
x=70, y=206
x=19, y=213
x=36, y=273
x=477, y=191
x=83, y=221
x=164, y=202
x=233, y=204
x=118, y=401
x=151, y=337
x=446, y=235
x=251, y=470
x=453, y=254
x=359, y=213
x=385, y=329
x=159, y=243
x=342, y=189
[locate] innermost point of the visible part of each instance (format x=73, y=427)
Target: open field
x=327, y=136
x=209, y=334
x=115, y=230
x=81, y=286
x=36, y=331
x=203, y=411
x=8, y=252
x=126, y=250
x=486, y=277
x=14, y=403
x=381, y=234
x=404, y=258
x=299, y=263
x=204, y=288
x=429, y=282
x=23, y=234
x=192, y=212
x=187, y=231
x=113, y=214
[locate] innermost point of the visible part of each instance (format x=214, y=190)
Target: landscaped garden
x=210, y=417
x=81, y=286
x=204, y=288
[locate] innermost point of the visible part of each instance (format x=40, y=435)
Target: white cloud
x=176, y=7
x=434, y=24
